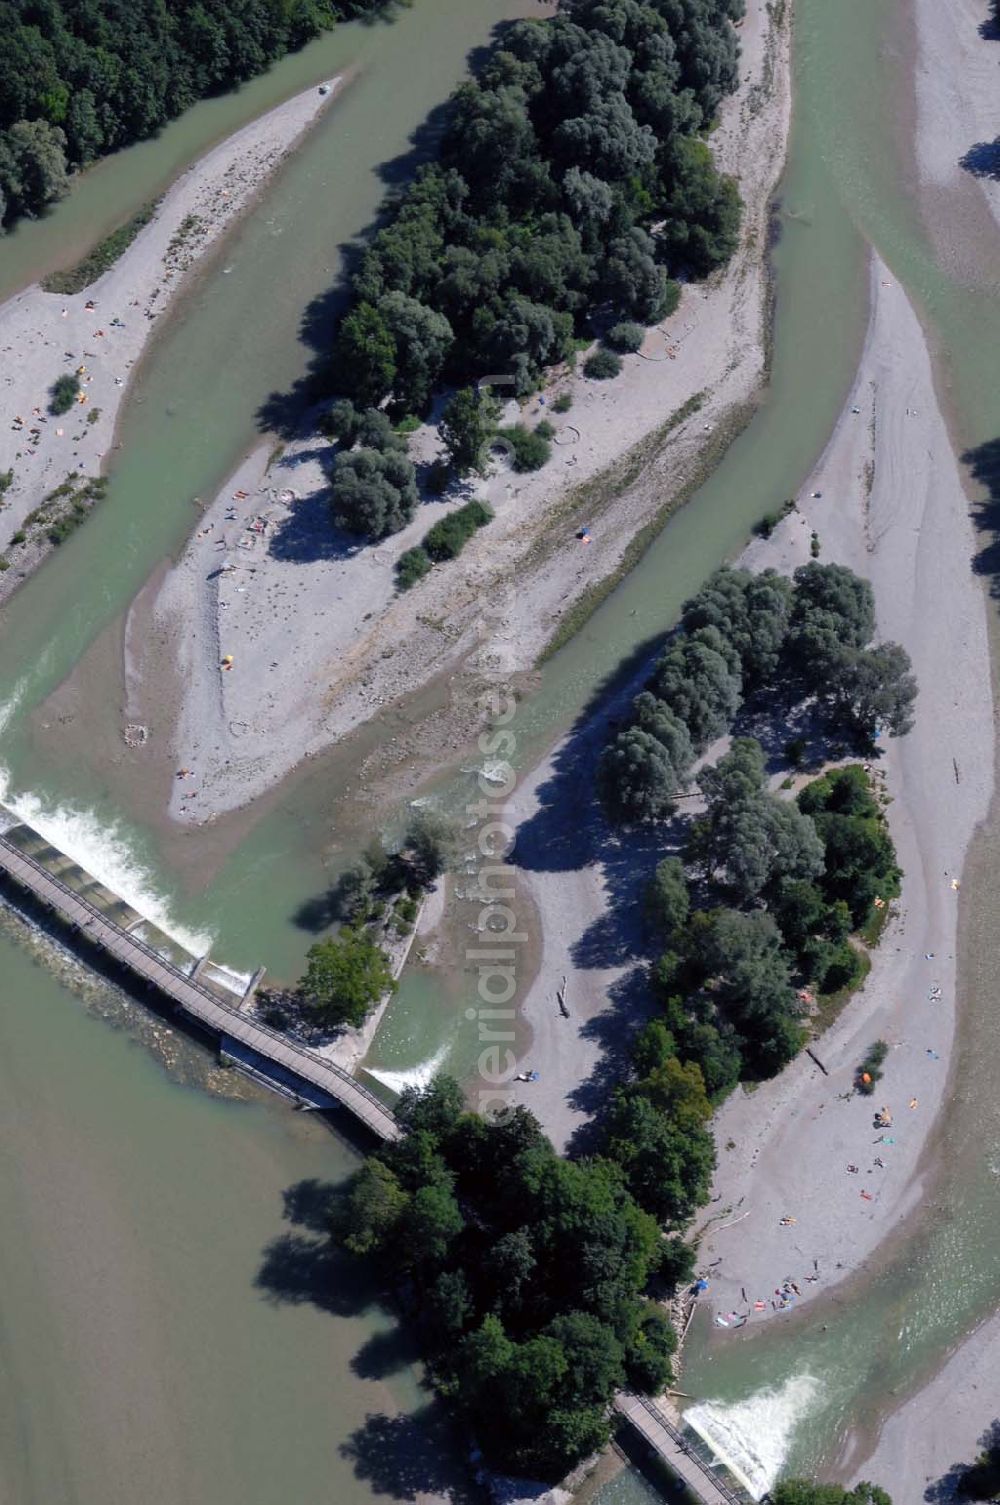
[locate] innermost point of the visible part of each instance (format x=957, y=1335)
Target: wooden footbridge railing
x=193, y=997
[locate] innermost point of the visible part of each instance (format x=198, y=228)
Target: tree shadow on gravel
x=630, y=1006
x=984, y=467
x=983, y=159
x=405, y=1457
x=948, y=1489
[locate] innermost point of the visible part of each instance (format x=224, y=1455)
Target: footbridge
x=111, y=925
x=704, y=1481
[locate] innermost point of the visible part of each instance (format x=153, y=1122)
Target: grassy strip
x=631, y=466
x=64, y=509
x=103, y=256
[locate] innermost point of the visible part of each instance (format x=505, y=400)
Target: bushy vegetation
x=82, y=79
x=448, y=537
x=602, y=365
x=804, y=1492
x=783, y=885
x=345, y=977
x=626, y=337
x=412, y=566
x=63, y=393
x=524, y=1274
x=530, y=449
x=372, y=492
x=869, y=1073
x=103, y=256
x=571, y=175
x=804, y=639
x=468, y=423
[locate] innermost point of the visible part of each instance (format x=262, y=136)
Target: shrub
x=6, y=480
x=544, y=430
x=602, y=365
x=448, y=537
x=626, y=338
x=411, y=567
x=531, y=449
x=563, y=402
x=870, y=1070
x=63, y=393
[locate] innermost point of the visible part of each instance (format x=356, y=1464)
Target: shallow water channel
x=846, y=182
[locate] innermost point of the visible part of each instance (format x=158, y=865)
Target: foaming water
x=413, y=1076
x=104, y=850
x=752, y=1437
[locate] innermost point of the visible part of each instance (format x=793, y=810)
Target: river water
x=846, y=184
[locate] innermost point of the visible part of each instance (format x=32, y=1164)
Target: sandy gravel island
x=101, y=332
x=318, y=638
x=887, y=500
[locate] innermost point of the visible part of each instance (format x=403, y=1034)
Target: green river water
x=845, y=184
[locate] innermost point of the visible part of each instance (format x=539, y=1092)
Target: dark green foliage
x=860, y=858
x=626, y=338
x=636, y=778
x=371, y=493
x=749, y=839
x=869, y=1073
x=529, y=1275
x=667, y=899
x=562, y=403
x=80, y=80
x=751, y=612
x=697, y=680
x=576, y=138
x=103, y=256
x=803, y=1492
x=467, y=426
x=63, y=393
x=429, y=845
x=982, y=1480
x=448, y=537
x=743, y=960
x=529, y=449
x=412, y=566
x=344, y=978
x=602, y=365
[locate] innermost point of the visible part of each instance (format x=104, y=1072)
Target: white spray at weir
x=752, y=1437
x=413, y=1076
x=103, y=850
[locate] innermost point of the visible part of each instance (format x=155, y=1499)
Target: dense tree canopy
x=571, y=178
x=81, y=79
x=804, y=1492
x=525, y=1273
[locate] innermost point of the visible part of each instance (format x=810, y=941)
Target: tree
x=32, y=167
x=751, y=611
x=636, y=778
x=804, y=1492
x=649, y=1352
x=428, y=1226
x=833, y=609
x=429, y=845
x=421, y=337
x=696, y=679
x=63, y=393
x=668, y=1167
x=372, y=494
x=667, y=899
x=366, y=355
x=467, y=426
x=702, y=212
x=345, y=978
x=749, y=974
x=873, y=690
x=370, y=1208
x=656, y=717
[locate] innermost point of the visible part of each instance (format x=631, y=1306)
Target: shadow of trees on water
x=984, y=466
x=406, y=1457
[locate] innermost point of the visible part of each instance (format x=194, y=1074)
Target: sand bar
x=102, y=332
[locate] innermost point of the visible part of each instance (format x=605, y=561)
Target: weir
x=701, y=1479
x=113, y=927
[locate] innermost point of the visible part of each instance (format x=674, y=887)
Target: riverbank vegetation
x=80, y=80
x=572, y=186
x=525, y=1276
x=804, y=1492
x=785, y=888
x=103, y=256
